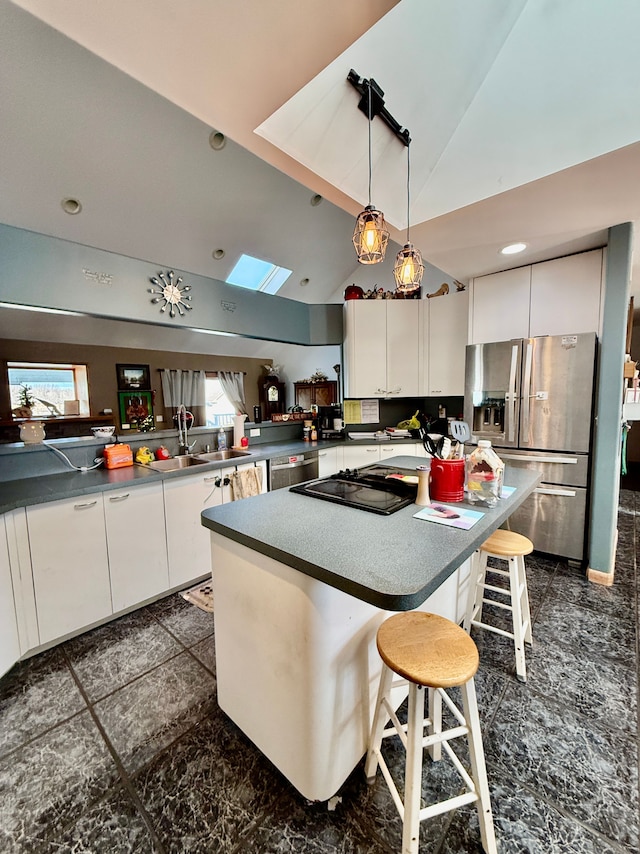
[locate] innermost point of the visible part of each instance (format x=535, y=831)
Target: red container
x=447, y=480
x=117, y=456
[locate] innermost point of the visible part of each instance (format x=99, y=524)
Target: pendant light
x=370, y=235
x=408, y=269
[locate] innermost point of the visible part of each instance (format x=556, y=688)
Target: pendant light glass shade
x=370, y=236
x=408, y=269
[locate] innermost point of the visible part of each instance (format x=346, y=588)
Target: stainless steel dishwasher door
x=297, y=468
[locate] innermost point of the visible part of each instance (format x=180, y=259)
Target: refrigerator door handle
x=526, y=395
x=569, y=493
x=526, y=458
x=511, y=395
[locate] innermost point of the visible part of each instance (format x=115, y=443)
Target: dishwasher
x=289, y=470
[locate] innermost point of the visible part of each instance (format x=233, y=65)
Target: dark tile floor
x=113, y=742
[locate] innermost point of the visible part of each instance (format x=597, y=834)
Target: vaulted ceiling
x=524, y=117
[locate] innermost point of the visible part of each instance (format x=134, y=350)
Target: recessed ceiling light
x=218, y=254
x=217, y=140
x=513, y=248
x=315, y=200
x=71, y=206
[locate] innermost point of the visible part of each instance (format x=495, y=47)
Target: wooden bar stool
x=511, y=547
x=428, y=651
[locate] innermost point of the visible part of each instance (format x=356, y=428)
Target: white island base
x=297, y=664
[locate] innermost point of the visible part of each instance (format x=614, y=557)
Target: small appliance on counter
x=330, y=423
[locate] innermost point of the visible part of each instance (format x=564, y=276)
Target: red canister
x=447, y=480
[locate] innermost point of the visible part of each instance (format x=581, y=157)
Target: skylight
x=257, y=275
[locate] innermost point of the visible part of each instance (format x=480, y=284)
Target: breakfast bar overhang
x=300, y=587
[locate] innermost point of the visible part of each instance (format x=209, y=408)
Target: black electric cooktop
x=369, y=488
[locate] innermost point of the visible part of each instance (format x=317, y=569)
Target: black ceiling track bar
x=370, y=89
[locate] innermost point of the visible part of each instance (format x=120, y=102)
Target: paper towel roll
x=238, y=429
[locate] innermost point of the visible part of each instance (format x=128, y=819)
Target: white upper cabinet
x=500, y=306
x=381, y=348
x=558, y=297
x=444, y=326
x=565, y=295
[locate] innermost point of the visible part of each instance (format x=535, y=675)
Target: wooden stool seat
x=510, y=547
x=506, y=543
x=427, y=649
x=426, y=654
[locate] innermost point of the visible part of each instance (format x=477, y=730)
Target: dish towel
x=246, y=483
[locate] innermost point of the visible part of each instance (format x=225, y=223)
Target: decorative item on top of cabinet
x=272, y=396
x=442, y=291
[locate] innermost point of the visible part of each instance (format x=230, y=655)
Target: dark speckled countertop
x=22, y=492
x=392, y=562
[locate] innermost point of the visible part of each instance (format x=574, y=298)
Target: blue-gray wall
x=608, y=434
x=43, y=271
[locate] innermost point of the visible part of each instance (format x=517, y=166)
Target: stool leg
x=476, y=589
x=516, y=613
x=478, y=767
x=379, y=721
x=435, y=716
x=526, y=614
x=413, y=771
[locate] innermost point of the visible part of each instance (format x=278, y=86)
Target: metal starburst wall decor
x=171, y=293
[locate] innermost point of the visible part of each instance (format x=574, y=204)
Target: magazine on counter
x=453, y=517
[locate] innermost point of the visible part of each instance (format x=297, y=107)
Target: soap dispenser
x=222, y=439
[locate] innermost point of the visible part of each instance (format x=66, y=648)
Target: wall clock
x=171, y=293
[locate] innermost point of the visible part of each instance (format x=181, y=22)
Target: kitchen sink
x=176, y=463
x=213, y=456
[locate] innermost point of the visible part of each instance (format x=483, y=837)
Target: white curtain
x=232, y=383
x=186, y=387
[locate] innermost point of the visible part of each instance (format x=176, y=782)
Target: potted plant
x=26, y=402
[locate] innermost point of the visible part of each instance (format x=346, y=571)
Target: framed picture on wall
x=133, y=377
x=134, y=407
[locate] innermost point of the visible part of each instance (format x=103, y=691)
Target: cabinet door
x=391, y=449
x=136, y=544
x=448, y=323
x=360, y=455
x=9, y=643
x=403, y=335
x=325, y=393
x=500, y=306
x=188, y=545
x=365, y=350
x=70, y=565
x=303, y=396
x=565, y=295
x=328, y=462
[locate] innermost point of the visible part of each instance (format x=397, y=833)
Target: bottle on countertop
x=485, y=473
x=222, y=440
x=314, y=433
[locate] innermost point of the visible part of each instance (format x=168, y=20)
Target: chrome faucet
x=182, y=418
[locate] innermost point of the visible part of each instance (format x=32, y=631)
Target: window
x=219, y=410
x=48, y=385
x=257, y=275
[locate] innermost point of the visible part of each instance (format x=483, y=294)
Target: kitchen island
x=300, y=588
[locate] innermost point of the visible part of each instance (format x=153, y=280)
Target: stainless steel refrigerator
x=533, y=398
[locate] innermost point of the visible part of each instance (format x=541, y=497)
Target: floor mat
x=201, y=596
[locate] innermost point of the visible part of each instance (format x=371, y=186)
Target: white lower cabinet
x=328, y=462
x=9, y=641
x=363, y=455
x=70, y=564
x=185, y=498
x=136, y=543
